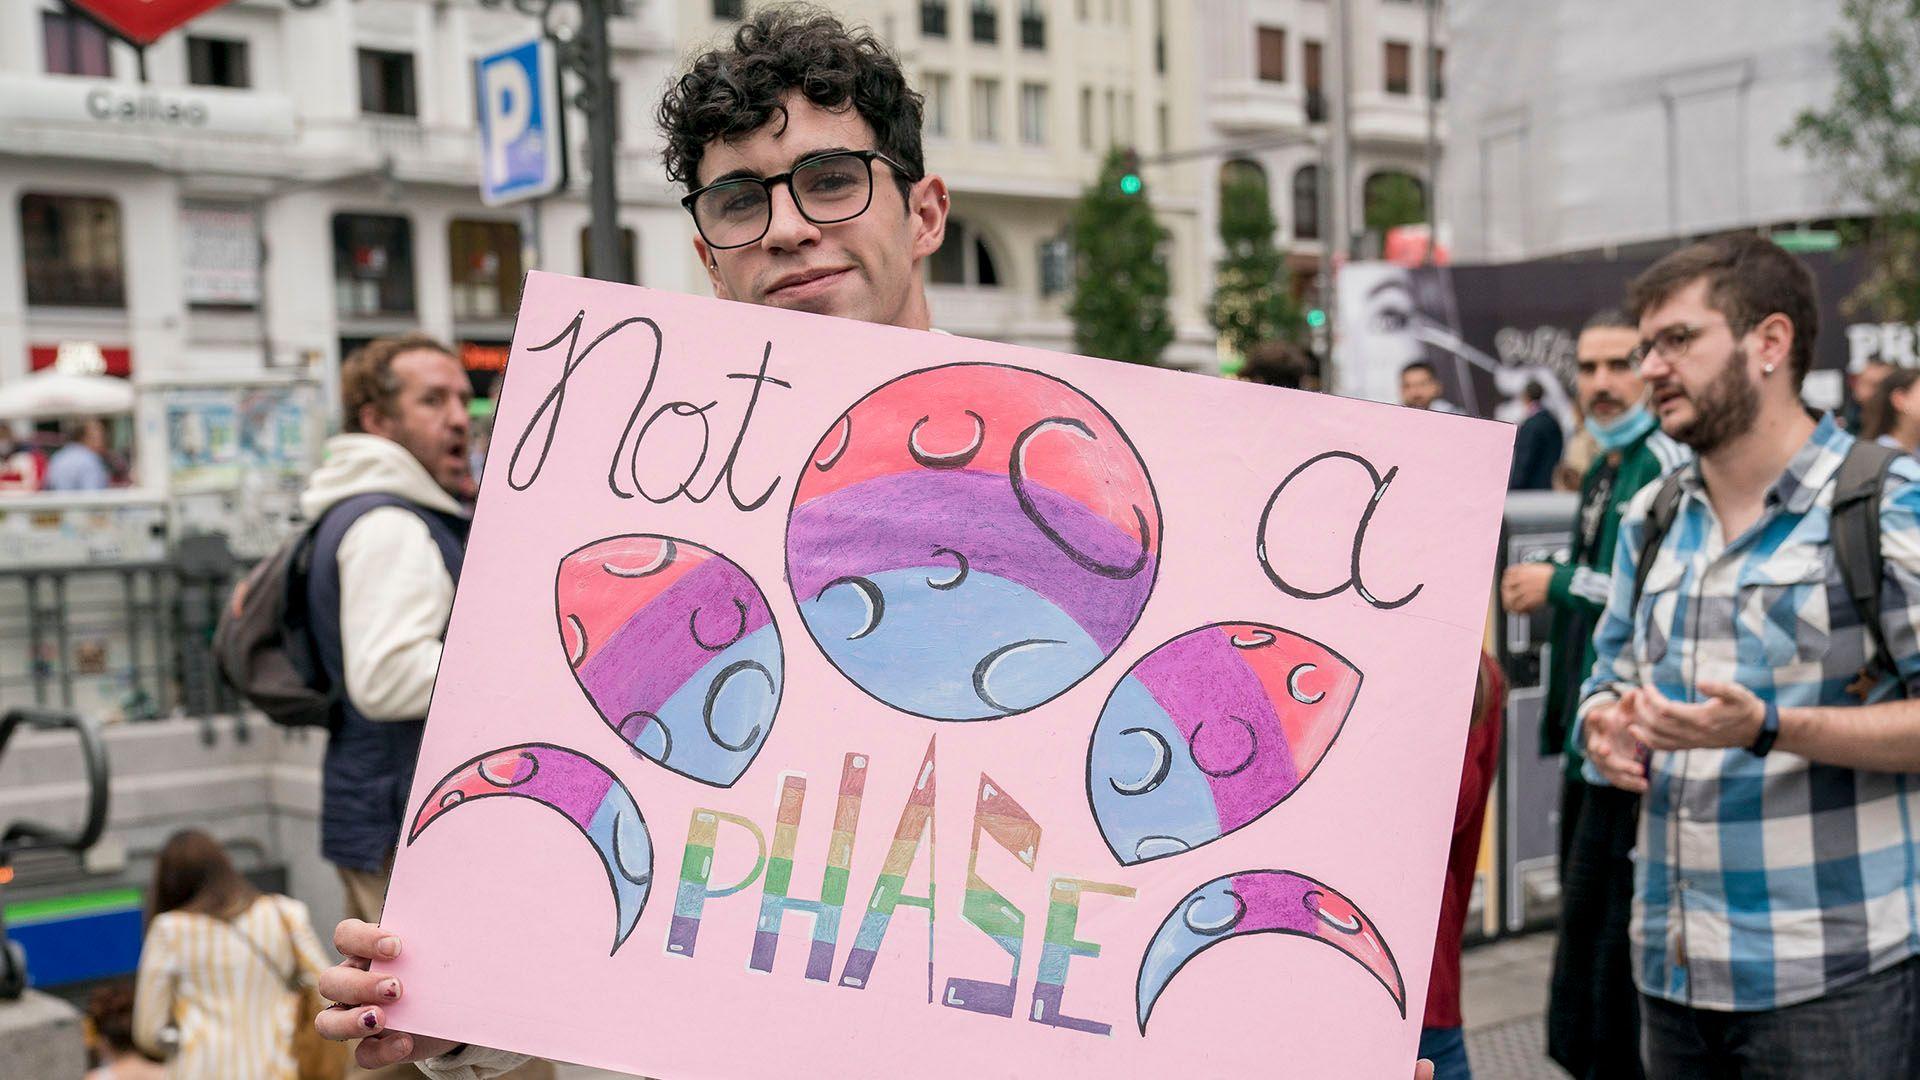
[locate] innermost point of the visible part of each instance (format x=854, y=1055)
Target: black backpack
x=263, y=642
x=1854, y=530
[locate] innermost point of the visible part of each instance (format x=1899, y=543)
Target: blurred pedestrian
x=1420, y=388
x=81, y=465
x=110, y=1015
x=1536, y=446
x=1277, y=363
x=1593, y=1027
x=1442, y=1034
x=1892, y=417
x=1753, y=676
x=220, y=970
x=1862, y=387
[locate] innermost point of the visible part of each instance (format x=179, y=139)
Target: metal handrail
x=28, y=835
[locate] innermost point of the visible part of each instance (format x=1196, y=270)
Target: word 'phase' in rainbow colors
x=1208, y=732
x=998, y=817
x=970, y=541
x=582, y=790
x=675, y=647
x=1262, y=902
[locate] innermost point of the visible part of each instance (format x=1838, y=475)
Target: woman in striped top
x=217, y=966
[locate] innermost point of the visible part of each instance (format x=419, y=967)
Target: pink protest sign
x=840, y=700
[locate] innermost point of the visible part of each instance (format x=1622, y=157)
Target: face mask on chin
x=1623, y=429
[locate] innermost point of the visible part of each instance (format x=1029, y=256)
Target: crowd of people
x=80, y=458
x=1733, y=640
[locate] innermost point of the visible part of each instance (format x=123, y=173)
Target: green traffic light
x=1316, y=318
x=1130, y=184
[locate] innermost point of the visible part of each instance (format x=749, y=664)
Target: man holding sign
x=1756, y=664
x=800, y=146
x=815, y=201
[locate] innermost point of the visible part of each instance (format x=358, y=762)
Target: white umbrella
x=54, y=393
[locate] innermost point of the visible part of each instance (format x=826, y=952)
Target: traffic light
x=1316, y=318
x=1130, y=182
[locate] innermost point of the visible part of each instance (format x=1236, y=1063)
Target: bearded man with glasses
x=1754, y=682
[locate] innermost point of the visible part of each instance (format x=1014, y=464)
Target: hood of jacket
x=357, y=464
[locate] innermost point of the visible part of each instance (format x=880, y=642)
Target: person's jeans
x=1447, y=1049
x=1868, y=1030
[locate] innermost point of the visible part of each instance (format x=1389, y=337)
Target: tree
x=1251, y=302
x=1120, y=282
x=1394, y=199
x=1869, y=134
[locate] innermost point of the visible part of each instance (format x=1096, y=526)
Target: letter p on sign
x=522, y=153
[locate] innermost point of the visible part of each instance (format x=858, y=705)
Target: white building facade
x=1596, y=127
x=340, y=138
x=1271, y=94
x=1023, y=100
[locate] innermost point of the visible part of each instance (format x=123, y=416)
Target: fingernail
x=390, y=989
x=389, y=947
x=370, y=1019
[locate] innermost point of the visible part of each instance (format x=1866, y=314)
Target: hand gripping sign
x=839, y=700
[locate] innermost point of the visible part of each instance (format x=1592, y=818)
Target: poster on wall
x=939, y=706
x=238, y=456
x=1489, y=331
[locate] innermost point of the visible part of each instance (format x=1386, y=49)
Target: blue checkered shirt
x=1762, y=882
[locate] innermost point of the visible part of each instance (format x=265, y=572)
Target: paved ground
x=1505, y=991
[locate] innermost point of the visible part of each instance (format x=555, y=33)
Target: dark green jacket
x=1578, y=592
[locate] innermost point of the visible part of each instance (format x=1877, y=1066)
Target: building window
x=729, y=9
x=938, y=89
x=1033, y=25
x=629, y=254
x=1273, y=54
x=1437, y=73
x=1113, y=120
x=218, y=62
x=1086, y=118
x=1306, y=203
x=372, y=264
x=1312, y=72
x=485, y=268
x=386, y=83
x=1164, y=124
x=963, y=259
x=1056, y=266
x=74, y=46
x=72, y=248
x=986, y=110
x=1399, y=63
x=986, y=22
x=220, y=245
x=933, y=18
x=1033, y=114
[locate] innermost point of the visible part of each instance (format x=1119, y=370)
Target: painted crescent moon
x=1253, y=749
x=875, y=599
x=693, y=627
x=713, y=694
x=1264, y=902
x=582, y=790
x=1162, y=764
x=1293, y=685
x=955, y=460
x=959, y=575
x=1254, y=640
x=832, y=457
x=1017, y=475
x=661, y=560
x=983, y=671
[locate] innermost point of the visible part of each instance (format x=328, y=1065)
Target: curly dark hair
x=731, y=92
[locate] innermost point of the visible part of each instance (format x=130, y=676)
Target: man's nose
x=788, y=228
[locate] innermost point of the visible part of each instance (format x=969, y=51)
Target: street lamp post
x=578, y=30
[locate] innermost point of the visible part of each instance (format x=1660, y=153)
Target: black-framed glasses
x=1670, y=342
x=827, y=189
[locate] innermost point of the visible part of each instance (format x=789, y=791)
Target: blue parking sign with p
x=522, y=152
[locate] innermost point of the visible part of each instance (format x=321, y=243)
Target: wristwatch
x=1769, y=731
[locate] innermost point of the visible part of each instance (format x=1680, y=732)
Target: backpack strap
x=1660, y=515
x=1854, y=531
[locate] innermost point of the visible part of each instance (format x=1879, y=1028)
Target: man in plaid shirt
x=1776, y=911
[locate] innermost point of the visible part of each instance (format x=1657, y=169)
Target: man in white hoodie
x=391, y=529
